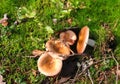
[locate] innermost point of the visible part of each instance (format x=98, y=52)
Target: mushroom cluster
x=57, y=50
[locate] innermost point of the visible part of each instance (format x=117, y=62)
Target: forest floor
x=32, y=22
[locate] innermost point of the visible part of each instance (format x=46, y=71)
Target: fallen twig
x=94, y=63
x=89, y=75
x=33, y=56
x=117, y=64
x=76, y=75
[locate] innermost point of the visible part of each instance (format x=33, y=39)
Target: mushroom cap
x=68, y=36
x=82, y=39
x=58, y=56
x=48, y=65
x=57, y=46
x=4, y=23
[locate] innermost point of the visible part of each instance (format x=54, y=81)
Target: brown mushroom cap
x=48, y=65
x=4, y=21
x=68, y=36
x=58, y=56
x=83, y=39
x=57, y=46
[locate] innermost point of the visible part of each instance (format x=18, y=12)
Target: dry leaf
x=69, y=21
x=34, y=72
x=63, y=80
x=37, y=52
x=118, y=72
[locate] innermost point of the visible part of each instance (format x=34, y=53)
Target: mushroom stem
x=5, y=16
x=69, y=48
x=91, y=42
x=71, y=51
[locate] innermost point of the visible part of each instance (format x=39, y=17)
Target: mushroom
x=57, y=46
x=83, y=40
x=48, y=65
x=68, y=37
x=4, y=21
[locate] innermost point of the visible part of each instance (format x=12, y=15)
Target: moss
x=17, y=41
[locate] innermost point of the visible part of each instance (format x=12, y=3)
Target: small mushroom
x=83, y=40
x=4, y=21
x=48, y=65
x=57, y=46
x=68, y=37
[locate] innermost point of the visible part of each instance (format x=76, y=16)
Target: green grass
x=17, y=41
